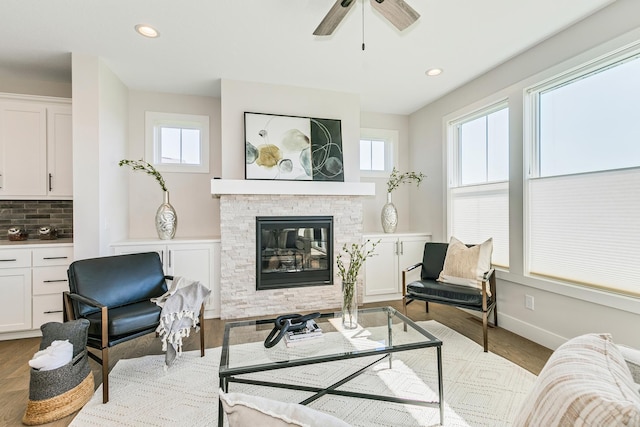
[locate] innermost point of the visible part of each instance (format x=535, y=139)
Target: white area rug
x=480, y=389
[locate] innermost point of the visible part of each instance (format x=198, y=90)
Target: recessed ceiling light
x=433, y=72
x=147, y=31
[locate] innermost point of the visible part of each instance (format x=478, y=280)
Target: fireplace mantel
x=311, y=188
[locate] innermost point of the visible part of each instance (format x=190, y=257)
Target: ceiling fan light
x=432, y=72
x=147, y=31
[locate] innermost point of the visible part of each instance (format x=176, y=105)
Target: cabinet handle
x=397, y=249
x=55, y=257
x=1, y=181
x=8, y=260
x=50, y=182
x=162, y=256
x=52, y=311
x=55, y=281
x=169, y=258
x=401, y=248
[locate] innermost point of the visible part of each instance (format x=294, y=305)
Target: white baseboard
x=530, y=332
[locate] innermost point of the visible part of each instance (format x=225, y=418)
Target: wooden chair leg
x=404, y=307
x=485, y=333
x=105, y=375
x=495, y=316
x=202, y=331
x=426, y=306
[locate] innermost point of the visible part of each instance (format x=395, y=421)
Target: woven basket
x=56, y=393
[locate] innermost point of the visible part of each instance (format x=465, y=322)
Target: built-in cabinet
x=192, y=259
x=32, y=280
x=35, y=147
x=394, y=253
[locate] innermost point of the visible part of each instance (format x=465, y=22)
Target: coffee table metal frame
x=229, y=374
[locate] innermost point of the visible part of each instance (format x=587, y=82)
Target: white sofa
x=588, y=381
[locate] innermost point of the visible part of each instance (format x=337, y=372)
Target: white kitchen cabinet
x=191, y=259
x=394, y=253
x=49, y=275
x=35, y=148
x=15, y=290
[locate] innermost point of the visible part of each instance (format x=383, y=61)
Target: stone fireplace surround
x=241, y=202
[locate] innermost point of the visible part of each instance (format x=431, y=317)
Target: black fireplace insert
x=294, y=251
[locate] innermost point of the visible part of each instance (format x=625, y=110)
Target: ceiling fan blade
x=399, y=13
x=335, y=15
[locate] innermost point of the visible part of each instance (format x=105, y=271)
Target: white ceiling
x=271, y=41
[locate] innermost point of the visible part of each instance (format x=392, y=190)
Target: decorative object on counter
x=17, y=234
x=389, y=215
x=166, y=217
x=358, y=254
x=48, y=233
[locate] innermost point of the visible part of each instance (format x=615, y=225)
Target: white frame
x=155, y=120
x=391, y=141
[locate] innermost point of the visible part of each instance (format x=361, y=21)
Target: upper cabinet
x=35, y=148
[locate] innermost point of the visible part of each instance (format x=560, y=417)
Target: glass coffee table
x=381, y=332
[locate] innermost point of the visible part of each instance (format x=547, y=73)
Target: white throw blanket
x=58, y=354
x=180, y=310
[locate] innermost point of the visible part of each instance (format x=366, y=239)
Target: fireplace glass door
x=293, y=251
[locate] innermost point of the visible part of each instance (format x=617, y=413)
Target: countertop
x=33, y=243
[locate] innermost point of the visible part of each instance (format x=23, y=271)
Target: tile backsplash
x=33, y=214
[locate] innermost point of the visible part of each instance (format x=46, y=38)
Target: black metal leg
x=440, y=387
x=224, y=385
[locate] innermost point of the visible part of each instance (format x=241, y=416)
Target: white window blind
x=585, y=228
x=480, y=212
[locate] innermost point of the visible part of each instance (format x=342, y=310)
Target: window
x=177, y=142
x=478, y=193
x=583, y=178
x=377, y=151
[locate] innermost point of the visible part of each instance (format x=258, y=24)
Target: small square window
x=177, y=142
x=377, y=149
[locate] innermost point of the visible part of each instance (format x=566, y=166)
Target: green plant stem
x=140, y=165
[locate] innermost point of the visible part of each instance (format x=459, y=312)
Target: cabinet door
x=381, y=270
x=411, y=250
x=59, y=152
x=47, y=308
x=15, y=294
x=136, y=249
x=23, y=150
x=194, y=262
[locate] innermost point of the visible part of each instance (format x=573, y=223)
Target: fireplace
x=294, y=251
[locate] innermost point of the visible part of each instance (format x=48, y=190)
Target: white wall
x=198, y=212
x=99, y=123
x=403, y=196
x=240, y=97
x=561, y=311
x=31, y=85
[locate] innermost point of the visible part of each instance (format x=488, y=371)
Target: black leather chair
x=429, y=289
x=114, y=294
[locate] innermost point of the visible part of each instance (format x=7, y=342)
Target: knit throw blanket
x=180, y=311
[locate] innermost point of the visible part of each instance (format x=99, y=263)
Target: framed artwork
x=292, y=148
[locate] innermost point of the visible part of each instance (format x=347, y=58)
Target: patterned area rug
x=480, y=389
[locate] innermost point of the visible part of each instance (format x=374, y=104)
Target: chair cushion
x=126, y=320
x=447, y=293
x=466, y=266
x=585, y=382
x=433, y=260
x=115, y=281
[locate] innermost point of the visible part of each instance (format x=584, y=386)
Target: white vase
x=389, y=216
x=166, y=219
x=350, y=305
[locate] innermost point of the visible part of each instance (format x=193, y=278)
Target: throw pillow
x=246, y=410
x=466, y=266
x=632, y=357
x=585, y=382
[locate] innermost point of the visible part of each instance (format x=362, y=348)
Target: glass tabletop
x=380, y=330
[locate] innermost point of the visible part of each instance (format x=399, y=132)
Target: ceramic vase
x=349, y=305
x=166, y=219
x=389, y=216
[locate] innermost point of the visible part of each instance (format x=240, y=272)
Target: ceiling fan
x=399, y=13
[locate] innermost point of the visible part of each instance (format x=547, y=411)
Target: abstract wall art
x=292, y=148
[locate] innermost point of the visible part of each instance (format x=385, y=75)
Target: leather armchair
x=114, y=294
x=429, y=289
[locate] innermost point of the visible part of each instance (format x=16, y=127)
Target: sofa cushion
x=246, y=410
x=632, y=357
x=126, y=320
x=585, y=382
x=445, y=292
x=466, y=266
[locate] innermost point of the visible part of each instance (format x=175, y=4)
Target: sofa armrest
x=404, y=276
x=85, y=300
x=413, y=267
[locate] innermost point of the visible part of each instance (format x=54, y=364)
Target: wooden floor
x=14, y=354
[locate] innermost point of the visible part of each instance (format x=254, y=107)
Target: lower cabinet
x=191, y=259
x=394, y=253
x=32, y=280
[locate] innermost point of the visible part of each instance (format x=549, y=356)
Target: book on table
x=309, y=332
